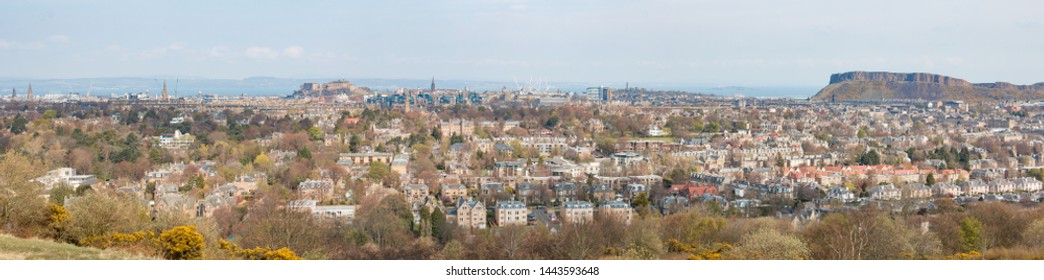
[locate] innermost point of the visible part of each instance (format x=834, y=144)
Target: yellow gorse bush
x=182, y=243
x=259, y=253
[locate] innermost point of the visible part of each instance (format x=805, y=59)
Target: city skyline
x=741, y=44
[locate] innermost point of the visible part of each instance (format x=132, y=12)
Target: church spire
x=29, y=96
x=432, y=83
x=165, y=91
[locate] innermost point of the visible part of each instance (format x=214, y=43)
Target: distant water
x=264, y=86
x=759, y=91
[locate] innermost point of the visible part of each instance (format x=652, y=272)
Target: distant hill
x=14, y=248
x=885, y=85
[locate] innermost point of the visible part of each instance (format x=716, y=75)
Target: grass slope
x=14, y=248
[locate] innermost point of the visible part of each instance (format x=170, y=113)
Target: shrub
x=57, y=220
x=182, y=243
x=259, y=253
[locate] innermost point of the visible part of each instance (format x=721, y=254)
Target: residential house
x=634, y=189
x=492, y=188
x=400, y=163
x=577, y=212
x=916, y=191
x=1000, y=186
x=885, y=192
x=508, y=169
x=315, y=189
x=471, y=214
x=621, y=211
x=565, y=191
x=974, y=187
x=415, y=192
x=1026, y=184
x=673, y=204
x=454, y=191
x=946, y=189
x=840, y=193
x=511, y=212
x=361, y=159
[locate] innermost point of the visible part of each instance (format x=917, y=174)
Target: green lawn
x=13, y=248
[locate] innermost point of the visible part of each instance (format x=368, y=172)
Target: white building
x=65, y=176
x=655, y=131
x=841, y=194
x=1027, y=184
x=885, y=192
x=343, y=212
x=177, y=141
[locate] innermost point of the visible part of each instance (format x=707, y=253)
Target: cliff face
x=896, y=77
x=886, y=85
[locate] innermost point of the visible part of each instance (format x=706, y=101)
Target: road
x=541, y=215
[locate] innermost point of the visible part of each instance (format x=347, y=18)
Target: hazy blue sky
x=727, y=42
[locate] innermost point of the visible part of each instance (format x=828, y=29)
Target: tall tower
x=14, y=94
x=29, y=96
x=407, y=95
x=165, y=91
x=432, y=83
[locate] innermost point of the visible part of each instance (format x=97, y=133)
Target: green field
x=13, y=248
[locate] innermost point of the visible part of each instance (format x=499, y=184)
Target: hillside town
x=442, y=169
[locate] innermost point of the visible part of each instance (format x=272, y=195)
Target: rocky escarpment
x=889, y=86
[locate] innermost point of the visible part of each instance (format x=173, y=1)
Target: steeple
x=165, y=91
x=432, y=83
x=29, y=96
x=14, y=94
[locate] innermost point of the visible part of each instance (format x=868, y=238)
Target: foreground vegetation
x=14, y=248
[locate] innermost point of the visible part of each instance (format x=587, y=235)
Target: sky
x=773, y=42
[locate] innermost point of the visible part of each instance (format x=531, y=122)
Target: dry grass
x=14, y=248
x=1013, y=254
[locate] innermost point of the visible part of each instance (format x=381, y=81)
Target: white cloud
x=261, y=53
x=218, y=51
x=294, y=51
x=160, y=51
x=4, y=44
x=58, y=38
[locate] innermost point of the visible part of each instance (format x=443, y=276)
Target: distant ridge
x=868, y=86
